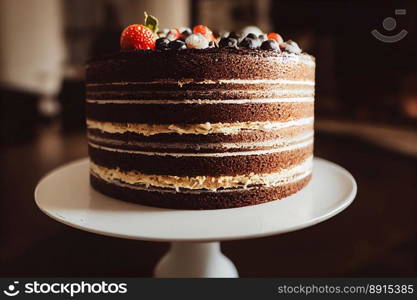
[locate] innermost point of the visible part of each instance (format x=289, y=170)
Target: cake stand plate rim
x=65, y=195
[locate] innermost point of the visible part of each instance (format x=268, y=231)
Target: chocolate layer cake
x=200, y=128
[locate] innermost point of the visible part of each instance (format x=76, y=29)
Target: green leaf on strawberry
x=151, y=22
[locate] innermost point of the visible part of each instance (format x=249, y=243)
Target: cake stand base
x=196, y=260
x=66, y=196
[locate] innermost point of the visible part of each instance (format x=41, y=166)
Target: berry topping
x=151, y=22
x=137, y=37
x=177, y=45
x=262, y=37
x=162, y=32
x=248, y=43
x=292, y=47
x=204, y=31
x=250, y=29
x=185, y=34
x=213, y=44
x=148, y=36
x=228, y=42
x=234, y=35
x=270, y=45
x=173, y=34
x=185, y=30
x=162, y=44
x=252, y=36
x=197, y=41
x=275, y=36
x=256, y=41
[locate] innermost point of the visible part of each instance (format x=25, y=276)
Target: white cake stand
x=66, y=196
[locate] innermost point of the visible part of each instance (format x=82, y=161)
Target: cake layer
x=226, y=93
x=201, y=147
x=202, y=164
x=199, y=113
x=208, y=200
x=200, y=65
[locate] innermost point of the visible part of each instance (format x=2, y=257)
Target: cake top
x=148, y=54
x=149, y=37
x=200, y=65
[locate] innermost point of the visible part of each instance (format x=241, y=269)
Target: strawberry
x=275, y=36
x=204, y=31
x=137, y=36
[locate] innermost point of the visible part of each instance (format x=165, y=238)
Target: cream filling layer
x=186, y=81
x=238, y=145
x=201, y=101
x=218, y=154
x=205, y=128
x=269, y=93
x=212, y=183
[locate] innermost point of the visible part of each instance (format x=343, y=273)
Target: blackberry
x=177, y=45
x=161, y=44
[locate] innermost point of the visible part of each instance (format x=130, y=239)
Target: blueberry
x=177, y=45
x=270, y=45
x=251, y=36
x=249, y=43
x=161, y=44
x=228, y=42
x=256, y=42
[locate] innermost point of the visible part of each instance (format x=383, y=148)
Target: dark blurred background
x=366, y=121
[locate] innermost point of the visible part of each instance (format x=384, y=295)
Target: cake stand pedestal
x=66, y=196
x=194, y=259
